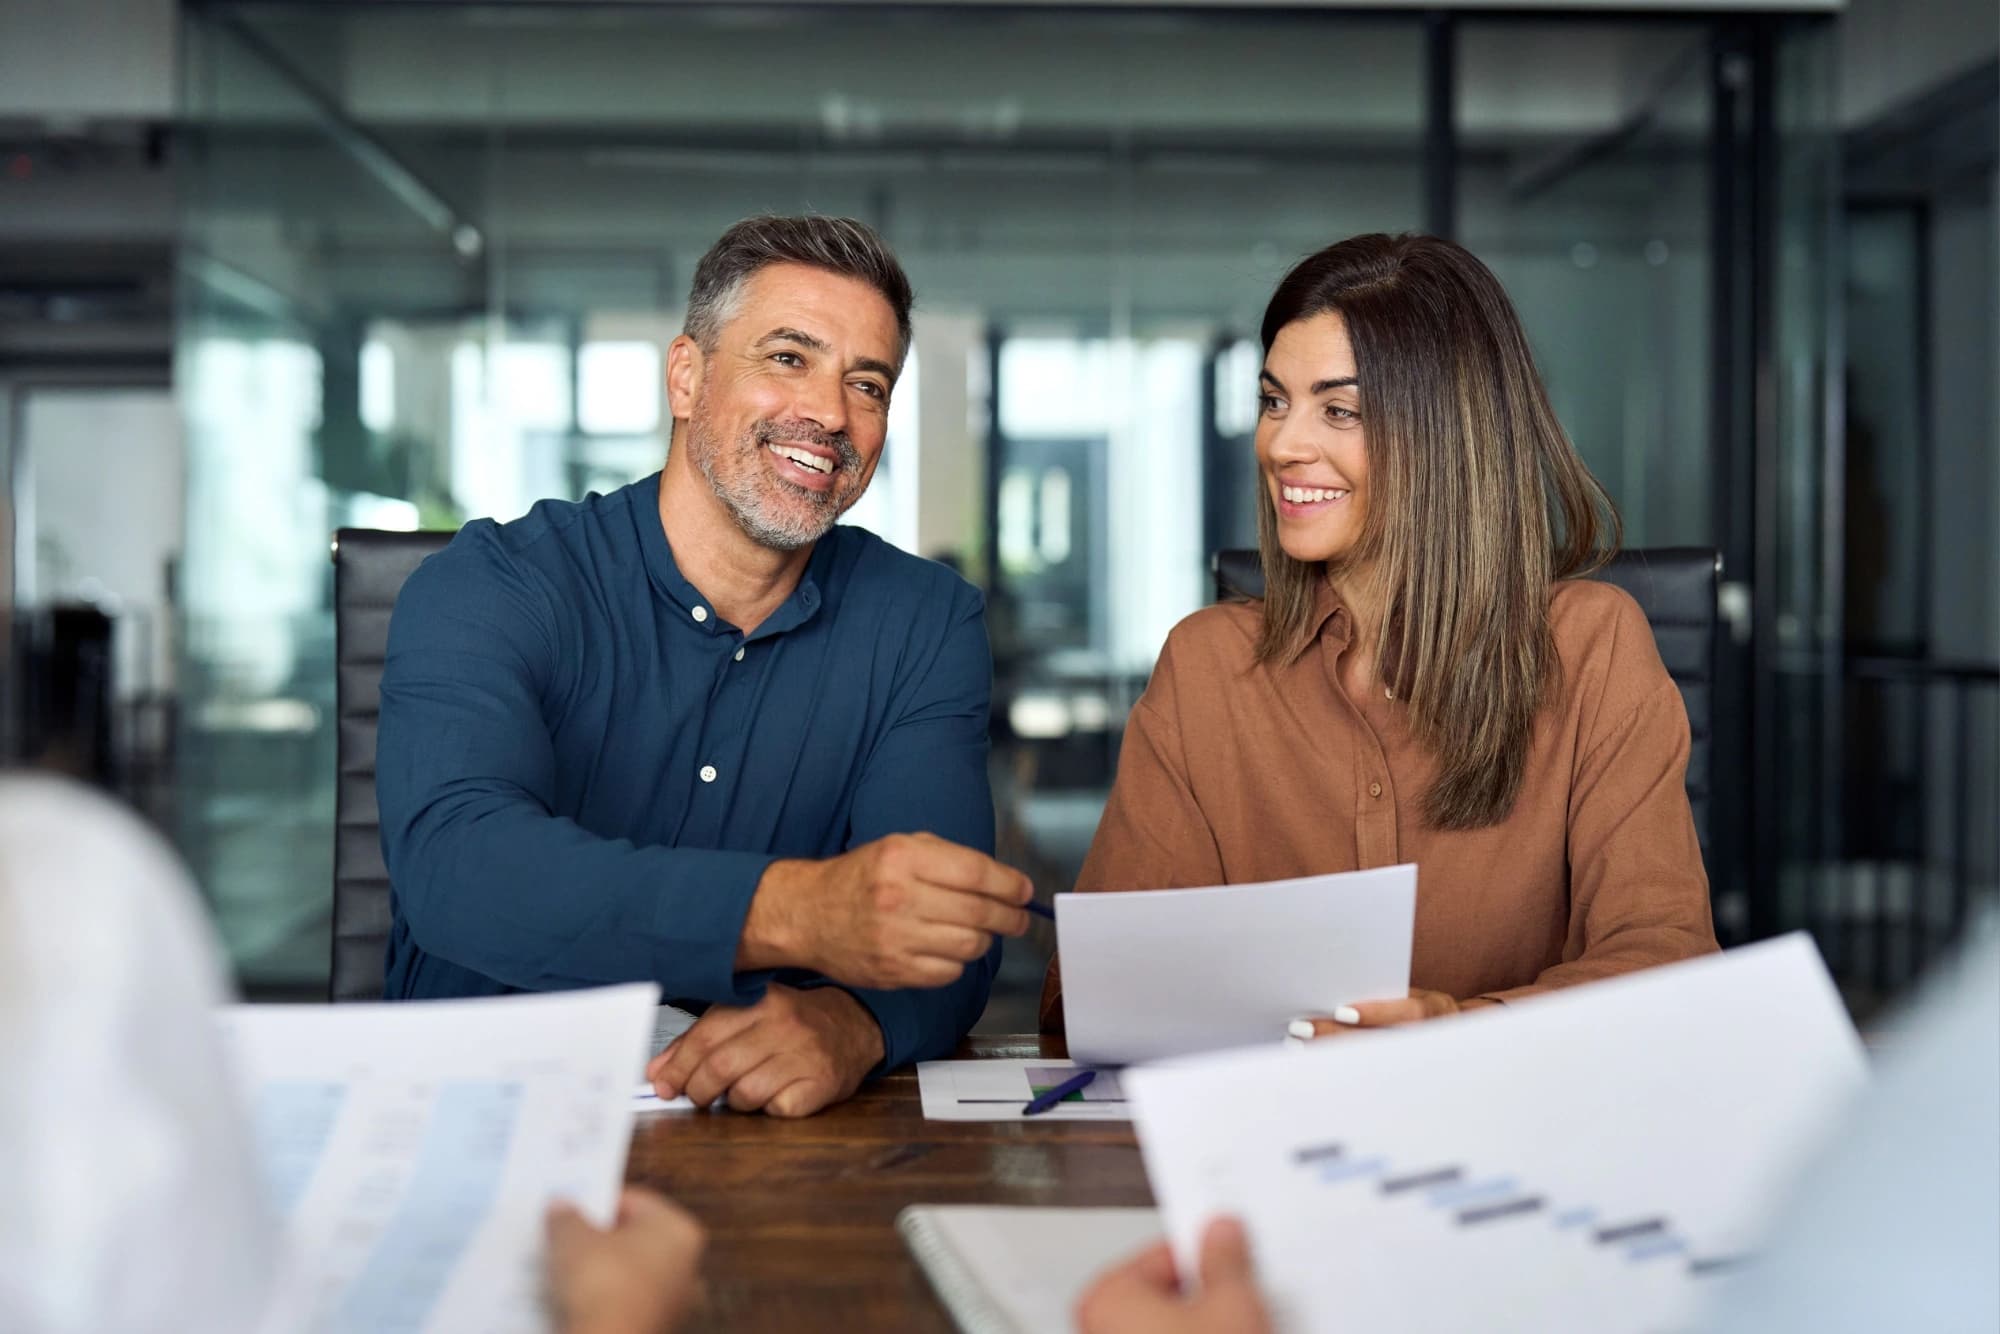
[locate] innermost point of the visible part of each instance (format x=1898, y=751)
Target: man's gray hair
x=838, y=245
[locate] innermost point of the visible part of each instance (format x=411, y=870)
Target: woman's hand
x=639, y=1276
x=1143, y=1295
x=1413, y=1008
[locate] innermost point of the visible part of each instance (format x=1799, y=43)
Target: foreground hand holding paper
x=1590, y=1159
x=1171, y=972
x=412, y=1149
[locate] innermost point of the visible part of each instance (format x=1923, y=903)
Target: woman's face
x=1311, y=444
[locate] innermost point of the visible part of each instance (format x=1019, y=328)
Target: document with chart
x=412, y=1149
x=1590, y=1159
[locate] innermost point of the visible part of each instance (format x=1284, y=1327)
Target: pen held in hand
x=1040, y=909
x=1048, y=1098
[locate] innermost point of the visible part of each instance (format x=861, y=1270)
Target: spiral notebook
x=1002, y=1270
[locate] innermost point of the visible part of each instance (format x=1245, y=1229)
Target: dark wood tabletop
x=801, y=1214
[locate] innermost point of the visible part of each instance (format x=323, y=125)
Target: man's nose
x=822, y=400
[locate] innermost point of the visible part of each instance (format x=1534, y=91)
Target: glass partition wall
x=432, y=257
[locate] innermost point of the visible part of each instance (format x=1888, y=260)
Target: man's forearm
x=774, y=934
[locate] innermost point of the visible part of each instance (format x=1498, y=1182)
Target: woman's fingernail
x=1301, y=1029
x=1346, y=1014
x=1296, y=1044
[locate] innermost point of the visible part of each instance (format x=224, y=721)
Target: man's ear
x=684, y=367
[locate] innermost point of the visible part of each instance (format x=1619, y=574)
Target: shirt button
x=708, y=773
x=739, y=655
x=1374, y=789
x=700, y=614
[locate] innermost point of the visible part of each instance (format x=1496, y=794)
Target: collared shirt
x=1235, y=771
x=584, y=771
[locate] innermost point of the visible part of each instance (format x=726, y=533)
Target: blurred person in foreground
x=1430, y=676
x=132, y=1205
x=694, y=733
x=1895, y=1224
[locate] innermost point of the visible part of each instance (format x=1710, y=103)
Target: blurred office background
x=269, y=268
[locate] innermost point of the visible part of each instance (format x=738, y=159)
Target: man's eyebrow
x=784, y=334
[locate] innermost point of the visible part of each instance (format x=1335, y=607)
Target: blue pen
x=1040, y=909
x=1050, y=1097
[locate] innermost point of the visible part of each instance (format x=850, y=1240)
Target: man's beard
x=775, y=514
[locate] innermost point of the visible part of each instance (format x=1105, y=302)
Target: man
x=694, y=733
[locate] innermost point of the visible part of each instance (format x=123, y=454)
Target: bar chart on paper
x=411, y=1150
x=1498, y=1232
x=1592, y=1160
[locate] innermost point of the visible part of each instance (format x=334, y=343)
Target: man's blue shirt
x=583, y=771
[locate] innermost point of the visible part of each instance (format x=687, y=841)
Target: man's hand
x=909, y=910
x=640, y=1276
x=790, y=1054
x=1143, y=1295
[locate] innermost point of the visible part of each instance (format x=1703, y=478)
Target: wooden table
x=801, y=1214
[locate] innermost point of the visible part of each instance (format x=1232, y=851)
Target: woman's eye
x=1268, y=403
x=1342, y=414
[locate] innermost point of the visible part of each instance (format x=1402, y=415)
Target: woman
x=1427, y=678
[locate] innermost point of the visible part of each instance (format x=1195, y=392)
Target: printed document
x=1590, y=1159
x=998, y=1090
x=1172, y=972
x=412, y=1149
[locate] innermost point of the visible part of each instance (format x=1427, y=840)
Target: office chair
x=1674, y=586
x=369, y=568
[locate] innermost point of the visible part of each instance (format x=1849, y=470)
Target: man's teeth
x=805, y=458
x=1310, y=495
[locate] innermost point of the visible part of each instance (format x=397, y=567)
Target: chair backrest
x=369, y=568
x=1674, y=586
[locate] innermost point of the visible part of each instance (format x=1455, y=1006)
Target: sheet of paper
x=412, y=1148
x=669, y=1022
x=1590, y=1159
x=998, y=1090
x=1020, y=1270
x=1170, y=972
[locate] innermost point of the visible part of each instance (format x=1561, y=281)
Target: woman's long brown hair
x=1477, y=504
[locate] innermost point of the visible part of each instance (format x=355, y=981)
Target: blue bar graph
x=459, y=1167
x=292, y=1120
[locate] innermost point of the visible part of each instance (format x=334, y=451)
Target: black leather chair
x=369, y=568
x=1674, y=586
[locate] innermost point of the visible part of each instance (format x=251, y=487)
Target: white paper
x=413, y=1148
x=1615, y=1148
x=998, y=1090
x=1170, y=972
x=669, y=1022
x=1023, y=1269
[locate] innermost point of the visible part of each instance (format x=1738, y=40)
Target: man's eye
x=788, y=358
x=870, y=388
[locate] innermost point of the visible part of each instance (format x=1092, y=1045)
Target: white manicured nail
x=1346, y=1014
x=1301, y=1029
x=1296, y=1044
